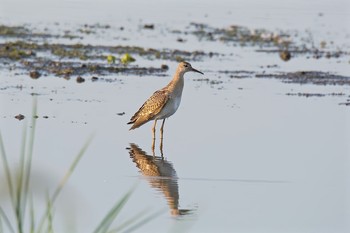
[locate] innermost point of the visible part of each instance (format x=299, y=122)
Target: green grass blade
x=71, y=169
x=20, y=195
x=7, y=172
x=113, y=213
x=64, y=181
x=6, y=220
x=144, y=221
x=29, y=155
x=1, y=228
x=128, y=222
x=32, y=216
x=49, y=214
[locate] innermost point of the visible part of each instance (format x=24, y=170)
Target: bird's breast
x=176, y=102
x=170, y=108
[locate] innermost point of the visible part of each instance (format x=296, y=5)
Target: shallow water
x=239, y=155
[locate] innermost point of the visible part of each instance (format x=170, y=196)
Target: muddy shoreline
x=33, y=54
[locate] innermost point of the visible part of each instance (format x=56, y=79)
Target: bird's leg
x=154, y=135
x=154, y=129
x=161, y=130
x=161, y=138
x=153, y=143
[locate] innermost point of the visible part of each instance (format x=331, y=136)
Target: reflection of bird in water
x=161, y=175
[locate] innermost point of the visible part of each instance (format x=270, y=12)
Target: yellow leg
x=153, y=143
x=154, y=128
x=161, y=138
x=154, y=135
x=161, y=130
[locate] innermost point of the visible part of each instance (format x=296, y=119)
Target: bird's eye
x=186, y=65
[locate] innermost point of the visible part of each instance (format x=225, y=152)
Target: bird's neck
x=176, y=84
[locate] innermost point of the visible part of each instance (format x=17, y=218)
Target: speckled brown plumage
x=149, y=110
x=164, y=102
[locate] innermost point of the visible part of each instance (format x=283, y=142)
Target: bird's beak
x=194, y=70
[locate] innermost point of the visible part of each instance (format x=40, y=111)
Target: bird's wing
x=152, y=106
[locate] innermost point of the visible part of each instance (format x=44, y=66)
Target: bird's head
x=186, y=67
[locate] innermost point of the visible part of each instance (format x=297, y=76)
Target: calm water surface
x=239, y=156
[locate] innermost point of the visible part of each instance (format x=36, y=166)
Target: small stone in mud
x=19, y=117
x=94, y=78
x=164, y=67
x=317, y=56
x=148, y=26
x=180, y=40
x=121, y=113
x=272, y=66
x=285, y=55
x=34, y=74
x=80, y=79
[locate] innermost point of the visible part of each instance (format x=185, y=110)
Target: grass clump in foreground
x=22, y=205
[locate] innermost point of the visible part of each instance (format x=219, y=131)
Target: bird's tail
x=136, y=123
x=131, y=122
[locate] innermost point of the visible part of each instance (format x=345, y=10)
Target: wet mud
x=63, y=60
x=309, y=77
x=31, y=52
x=285, y=44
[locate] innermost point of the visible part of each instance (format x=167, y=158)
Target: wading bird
x=164, y=102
